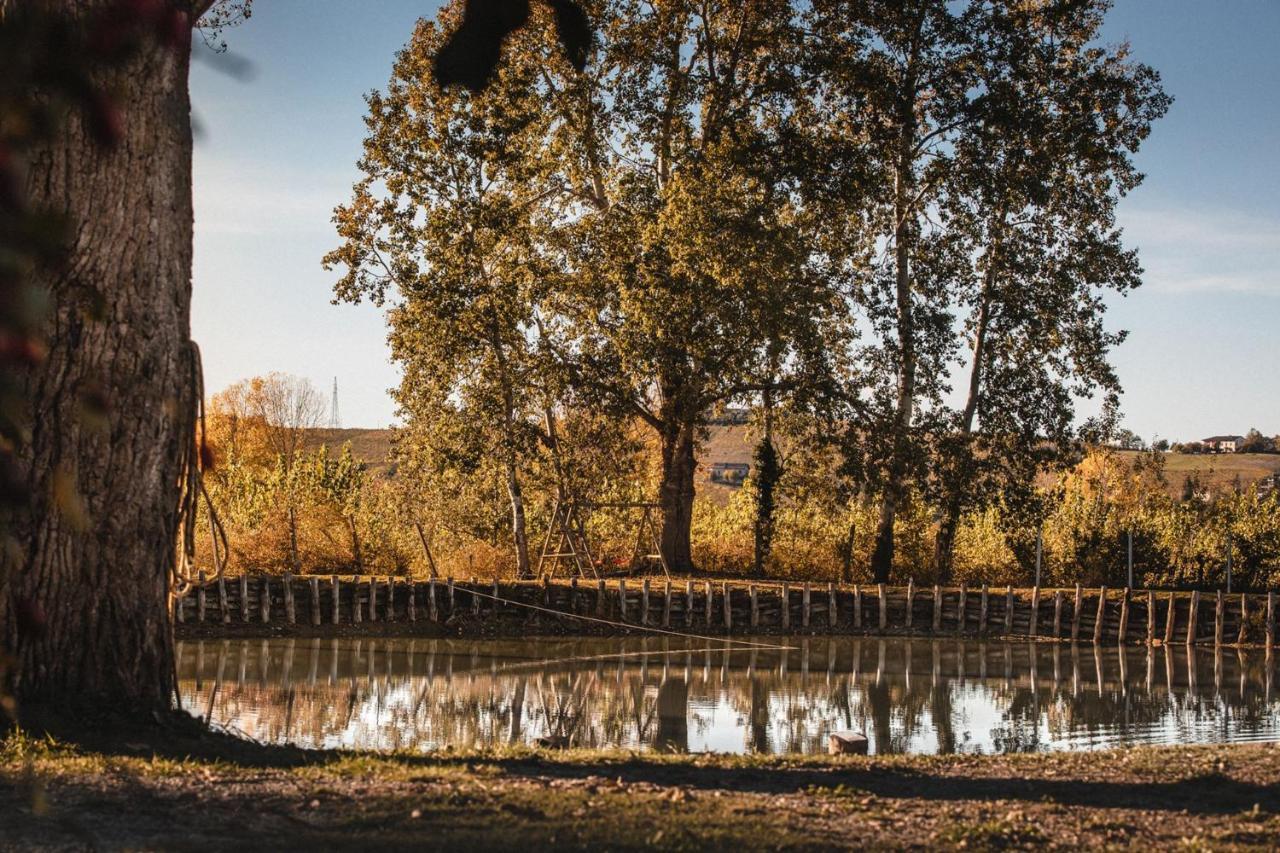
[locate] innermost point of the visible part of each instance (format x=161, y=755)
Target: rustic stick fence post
x=1075, y=613
x=290, y=613
x=1057, y=615
x=666, y=604
x=433, y=612
x=1100, y=620
x=1219, y=611
x=1193, y=617
x=336, y=587
x=755, y=607
x=786, y=606
x=357, y=613
x=804, y=605
x=1170, y=618
x=937, y=609
x=911, y=599
x=1151, y=618
x=962, y=606
x=1035, y=611
x=222, y=600
x=244, y=598
x=314, y=584
x=622, y=599
x=411, y=604
x=1008, y=611
x=644, y=602
x=449, y=583
x=983, y=609
x=1243, y=636
x=1271, y=621
x=833, y=606
x=1123, y=635
x=372, y=584
x=711, y=600
x=728, y=606
x=884, y=608
x=265, y=600
x=688, y=603
x=857, y=606
x=199, y=601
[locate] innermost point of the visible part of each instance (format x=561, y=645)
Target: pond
x=778, y=696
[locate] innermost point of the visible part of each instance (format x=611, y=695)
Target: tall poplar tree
x=1038, y=170
x=444, y=222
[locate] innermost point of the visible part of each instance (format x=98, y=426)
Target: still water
x=916, y=696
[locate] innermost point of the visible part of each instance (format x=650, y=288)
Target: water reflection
x=665, y=694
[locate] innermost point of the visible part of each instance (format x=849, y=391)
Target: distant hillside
x=734, y=443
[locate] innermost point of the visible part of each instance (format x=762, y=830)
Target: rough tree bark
x=97, y=542
x=675, y=495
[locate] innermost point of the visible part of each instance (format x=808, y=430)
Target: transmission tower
x=334, y=421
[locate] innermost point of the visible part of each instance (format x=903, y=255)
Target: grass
x=188, y=789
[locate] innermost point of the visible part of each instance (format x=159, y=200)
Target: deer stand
x=566, y=540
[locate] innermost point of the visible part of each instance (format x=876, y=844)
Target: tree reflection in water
x=675, y=696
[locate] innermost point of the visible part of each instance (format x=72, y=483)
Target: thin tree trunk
x=84, y=594
x=675, y=496
x=355, y=545
x=294, y=560
x=518, y=530
x=766, y=478
x=426, y=549
x=944, y=543
x=882, y=555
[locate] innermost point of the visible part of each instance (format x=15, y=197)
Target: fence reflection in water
x=667, y=694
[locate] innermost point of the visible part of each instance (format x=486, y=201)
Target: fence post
x=1271, y=621
x=644, y=602
x=1035, y=610
x=1194, y=617
x=244, y=598
x=1244, y=619
x=222, y=599
x=755, y=607
x=884, y=609
x=857, y=606
x=1218, y=612
x=786, y=606
x=1075, y=613
x=911, y=599
x=289, y=613
x=265, y=601
x=1101, y=619
x=804, y=605
x=337, y=598
x=833, y=606
x=199, y=602
x=937, y=609
x=982, y=611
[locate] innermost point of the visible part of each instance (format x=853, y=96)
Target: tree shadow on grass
x=182, y=737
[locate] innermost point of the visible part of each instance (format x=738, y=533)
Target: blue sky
x=277, y=151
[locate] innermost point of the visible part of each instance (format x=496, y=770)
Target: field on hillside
x=734, y=444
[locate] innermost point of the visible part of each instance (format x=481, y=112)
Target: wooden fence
x=739, y=607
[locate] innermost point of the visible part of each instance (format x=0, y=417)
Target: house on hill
x=1222, y=443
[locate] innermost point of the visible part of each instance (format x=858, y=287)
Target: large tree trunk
x=676, y=495
x=97, y=542
x=882, y=555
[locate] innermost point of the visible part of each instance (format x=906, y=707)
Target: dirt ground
x=155, y=789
